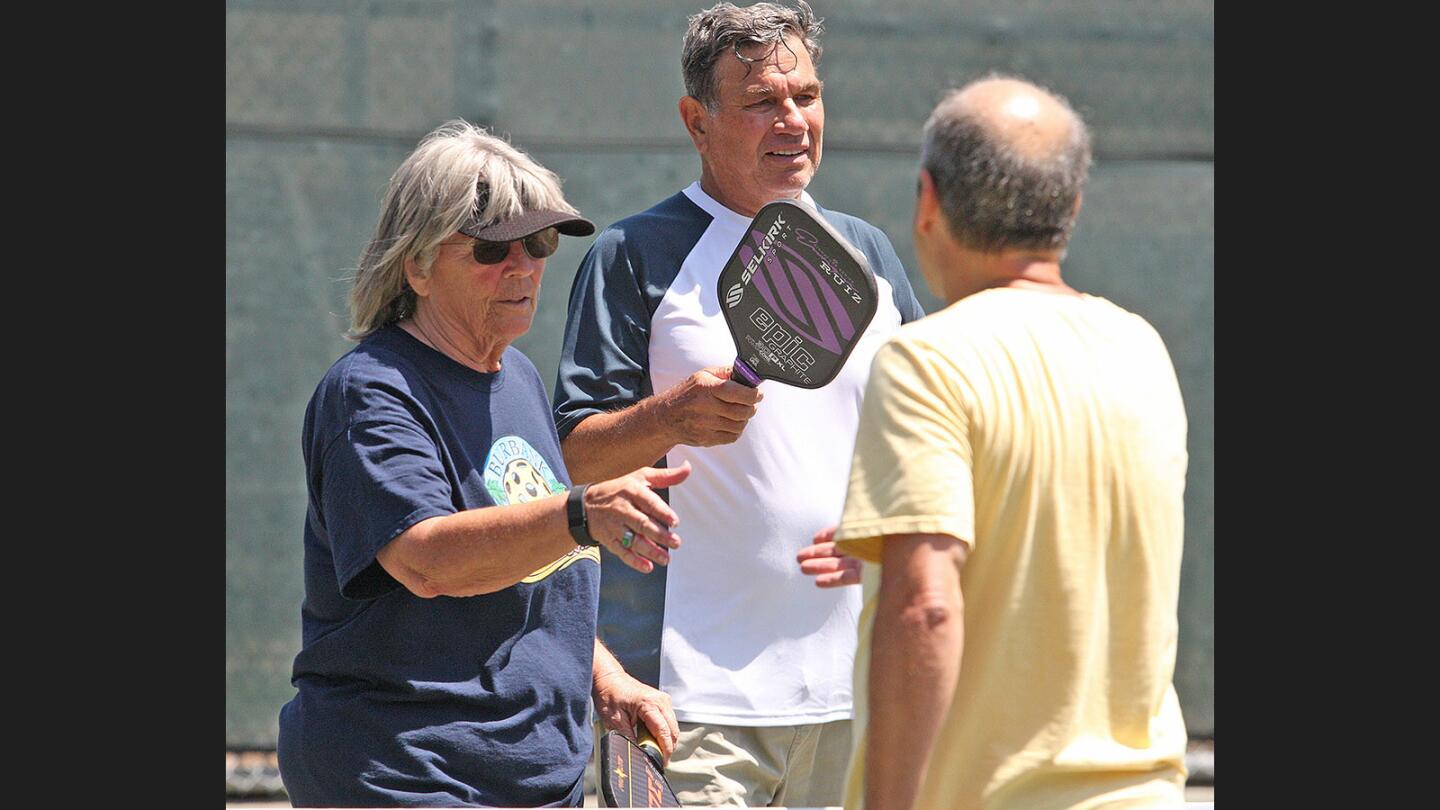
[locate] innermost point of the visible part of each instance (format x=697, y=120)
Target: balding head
x=1016, y=113
x=1009, y=160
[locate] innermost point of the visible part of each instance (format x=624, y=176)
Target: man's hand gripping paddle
x=632, y=774
x=796, y=296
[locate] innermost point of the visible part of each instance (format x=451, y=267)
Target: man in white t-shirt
x=756, y=660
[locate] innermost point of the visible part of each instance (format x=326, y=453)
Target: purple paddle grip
x=744, y=374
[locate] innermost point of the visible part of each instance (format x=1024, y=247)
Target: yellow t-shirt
x=1047, y=433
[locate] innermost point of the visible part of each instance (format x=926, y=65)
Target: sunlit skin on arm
x=473, y=552
x=622, y=703
x=480, y=551
x=915, y=651
x=703, y=410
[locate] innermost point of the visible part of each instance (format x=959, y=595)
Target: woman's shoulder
x=522, y=375
x=374, y=358
x=374, y=373
x=519, y=362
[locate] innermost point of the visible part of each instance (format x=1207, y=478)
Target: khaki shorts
x=745, y=766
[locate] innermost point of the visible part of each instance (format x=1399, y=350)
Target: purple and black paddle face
x=796, y=296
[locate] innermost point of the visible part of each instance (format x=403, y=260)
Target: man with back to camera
x=1019, y=475
x=756, y=661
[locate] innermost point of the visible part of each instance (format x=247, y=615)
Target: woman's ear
x=418, y=279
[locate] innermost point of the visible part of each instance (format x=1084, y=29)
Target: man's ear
x=927, y=203
x=1075, y=212
x=419, y=279
x=695, y=117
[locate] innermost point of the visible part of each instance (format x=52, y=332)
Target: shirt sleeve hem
x=862, y=538
x=567, y=423
x=350, y=589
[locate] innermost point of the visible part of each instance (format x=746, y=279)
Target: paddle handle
x=645, y=741
x=745, y=375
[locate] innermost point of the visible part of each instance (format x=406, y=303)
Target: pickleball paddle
x=796, y=296
x=632, y=772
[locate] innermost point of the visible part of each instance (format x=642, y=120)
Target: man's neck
x=742, y=204
x=1019, y=270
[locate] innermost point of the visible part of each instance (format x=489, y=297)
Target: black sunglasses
x=539, y=245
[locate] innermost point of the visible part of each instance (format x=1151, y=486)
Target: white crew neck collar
x=716, y=209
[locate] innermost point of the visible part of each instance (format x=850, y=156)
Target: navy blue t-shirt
x=404, y=701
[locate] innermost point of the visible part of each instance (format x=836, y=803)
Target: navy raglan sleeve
x=889, y=266
x=605, y=355
x=883, y=261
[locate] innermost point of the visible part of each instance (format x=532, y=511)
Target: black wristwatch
x=575, y=513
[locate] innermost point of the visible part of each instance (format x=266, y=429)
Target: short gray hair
x=994, y=196
x=719, y=29
x=459, y=172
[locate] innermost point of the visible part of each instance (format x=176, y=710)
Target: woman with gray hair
x=451, y=572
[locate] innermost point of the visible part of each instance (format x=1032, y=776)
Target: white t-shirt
x=744, y=638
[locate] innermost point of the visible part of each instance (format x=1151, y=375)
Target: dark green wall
x=324, y=99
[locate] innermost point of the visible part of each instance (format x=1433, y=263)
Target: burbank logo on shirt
x=516, y=473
